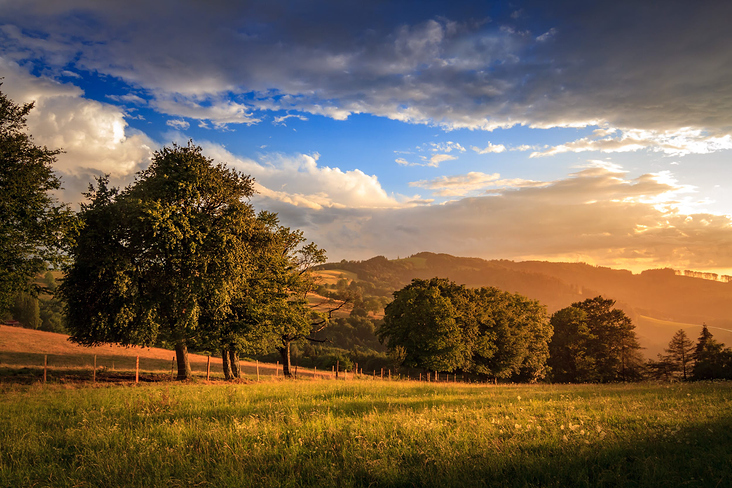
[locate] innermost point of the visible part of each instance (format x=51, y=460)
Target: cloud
x=219, y=112
x=94, y=136
x=490, y=148
x=597, y=215
x=457, y=185
x=673, y=143
x=436, y=159
x=298, y=180
x=178, y=124
x=281, y=119
x=600, y=63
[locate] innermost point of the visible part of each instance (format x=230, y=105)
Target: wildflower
x=562, y=427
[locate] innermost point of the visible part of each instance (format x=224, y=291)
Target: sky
x=596, y=132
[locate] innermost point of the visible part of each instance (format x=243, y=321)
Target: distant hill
x=659, y=301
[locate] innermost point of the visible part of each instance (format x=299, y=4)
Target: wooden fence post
x=208, y=368
x=389, y=374
x=45, y=367
x=94, y=374
x=315, y=373
x=382, y=373
x=337, y=368
x=277, y=369
x=137, y=370
x=172, y=362
x=257, y=369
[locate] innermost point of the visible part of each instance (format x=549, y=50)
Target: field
x=23, y=352
x=366, y=433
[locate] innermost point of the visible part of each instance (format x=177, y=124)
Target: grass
x=366, y=433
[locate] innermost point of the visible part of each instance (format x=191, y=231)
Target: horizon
x=570, y=132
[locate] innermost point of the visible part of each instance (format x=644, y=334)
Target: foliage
x=33, y=224
x=711, y=359
x=592, y=342
x=679, y=353
x=27, y=311
x=150, y=260
x=441, y=326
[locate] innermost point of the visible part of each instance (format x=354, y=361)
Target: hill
x=659, y=301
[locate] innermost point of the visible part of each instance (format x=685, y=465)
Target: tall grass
x=367, y=433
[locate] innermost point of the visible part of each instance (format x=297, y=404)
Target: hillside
x=659, y=301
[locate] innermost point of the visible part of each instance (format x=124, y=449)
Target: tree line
x=438, y=325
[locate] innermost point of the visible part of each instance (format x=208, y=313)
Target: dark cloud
x=651, y=65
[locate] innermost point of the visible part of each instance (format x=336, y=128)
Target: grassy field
x=366, y=433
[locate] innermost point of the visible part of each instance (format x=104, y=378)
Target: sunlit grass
x=367, y=433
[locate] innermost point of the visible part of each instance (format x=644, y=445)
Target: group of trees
x=177, y=258
x=441, y=326
x=708, y=359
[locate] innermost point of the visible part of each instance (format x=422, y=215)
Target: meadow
x=365, y=433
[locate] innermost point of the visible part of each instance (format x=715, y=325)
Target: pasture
x=366, y=433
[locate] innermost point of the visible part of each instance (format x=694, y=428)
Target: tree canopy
x=150, y=260
x=33, y=224
x=441, y=326
x=593, y=342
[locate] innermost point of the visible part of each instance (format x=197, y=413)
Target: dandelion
x=518, y=426
x=519, y=397
x=582, y=432
x=562, y=427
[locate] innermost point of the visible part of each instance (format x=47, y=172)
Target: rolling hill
x=659, y=301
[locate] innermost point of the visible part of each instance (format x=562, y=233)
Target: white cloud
x=680, y=142
x=281, y=119
x=178, y=124
x=490, y=148
x=300, y=181
x=219, y=112
x=91, y=134
x=436, y=159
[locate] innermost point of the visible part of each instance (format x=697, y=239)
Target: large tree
x=593, y=342
x=33, y=224
x=152, y=259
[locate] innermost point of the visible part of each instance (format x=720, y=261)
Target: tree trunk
x=225, y=363
x=285, y=354
x=234, y=362
x=184, y=366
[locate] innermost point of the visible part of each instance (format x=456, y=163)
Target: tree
x=33, y=224
x=508, y=333
x=593, y=342
x=439, y=325
x=679, y=352
x=26, y=310
x=277, y=306
x=711, y=359
x=423, y=322
x=152, y=259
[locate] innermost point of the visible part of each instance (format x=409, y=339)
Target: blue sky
x=576, y=131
